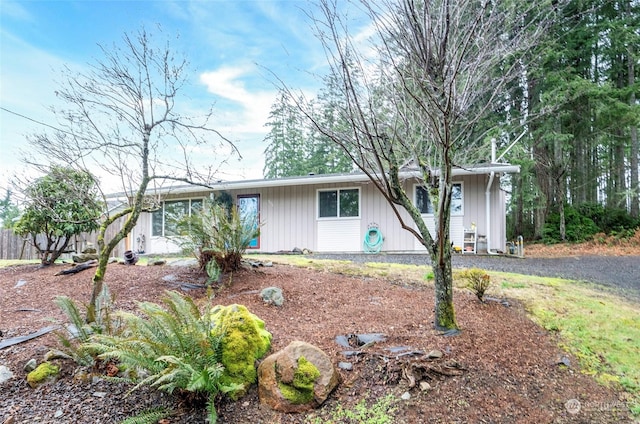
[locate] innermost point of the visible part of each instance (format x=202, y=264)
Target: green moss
x=42, y=373
x=245, y=340
x=300, y=391
x=306, y=374
x=294, y=395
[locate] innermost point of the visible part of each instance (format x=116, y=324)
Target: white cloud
x=16, y=11
x=252, y=107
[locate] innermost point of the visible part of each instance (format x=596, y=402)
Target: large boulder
x=298, y=378
x=245, y=341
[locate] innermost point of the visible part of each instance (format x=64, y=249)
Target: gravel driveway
x=620, y=272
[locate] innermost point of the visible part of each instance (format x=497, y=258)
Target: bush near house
x=217, y=233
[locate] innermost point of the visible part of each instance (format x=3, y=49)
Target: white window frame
x=338, y=190
x=164, y=215
x=459, y=213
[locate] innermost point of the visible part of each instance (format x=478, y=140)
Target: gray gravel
x=621, y=273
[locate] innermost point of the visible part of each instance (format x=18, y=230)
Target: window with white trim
x=426, y=208
x=339, y=203
x=164, y=220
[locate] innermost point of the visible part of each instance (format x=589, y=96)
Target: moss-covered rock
x=245, y=340
x=43, y=373
x=297, y=378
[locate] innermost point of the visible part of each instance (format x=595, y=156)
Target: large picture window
x=342, y=203
x=164, y=220
x=426, y=208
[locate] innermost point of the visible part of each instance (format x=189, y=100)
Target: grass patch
x=391, y=271
x=11, y=262
x=364, y=412
x=506, y=284
x=601, y=329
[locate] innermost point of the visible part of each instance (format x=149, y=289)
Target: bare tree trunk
x=445, y=318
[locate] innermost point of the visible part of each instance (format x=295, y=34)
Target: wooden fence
x=13, y=246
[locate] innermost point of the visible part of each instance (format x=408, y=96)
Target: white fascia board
x=354, y=178
x=327, y=179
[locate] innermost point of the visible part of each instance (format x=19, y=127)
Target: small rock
x=20, y=283
x=424, y=386
x=55, y=354
x=5, y=374
x=30, y=365
x=342, y=340
x=99, y=394
x=370, y=338
x=82, y=375
x=563, y=360
x=405, y=396
x=434, y=354
x=58, y=413
x=272, y=296
x=347, y=366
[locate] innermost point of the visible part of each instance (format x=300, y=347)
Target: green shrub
x=609, y=220
x=476, y=280
x=578, y=228
x=175, y=347
x=59, y=205
x=217, y=233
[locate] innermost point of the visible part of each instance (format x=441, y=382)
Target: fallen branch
x=80, y=267
x=20, y=339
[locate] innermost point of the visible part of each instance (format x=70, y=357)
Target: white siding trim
x=456, y=228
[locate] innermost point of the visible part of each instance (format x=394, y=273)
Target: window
x=164, y=220
x=424, y=204
x=342, y=203
x=249, y=208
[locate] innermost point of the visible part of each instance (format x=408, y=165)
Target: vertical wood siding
x=289, y=219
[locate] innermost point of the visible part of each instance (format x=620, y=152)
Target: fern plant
x=173, y=347
x=74, y=339
x=150, y=416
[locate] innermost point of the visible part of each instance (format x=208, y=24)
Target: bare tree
x=124, y=118
x=416, y=92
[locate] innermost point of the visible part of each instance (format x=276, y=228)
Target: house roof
x=355, y=177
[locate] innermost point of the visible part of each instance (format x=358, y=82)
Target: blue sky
x=230, y=45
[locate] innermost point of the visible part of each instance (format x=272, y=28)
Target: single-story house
x=340, y=213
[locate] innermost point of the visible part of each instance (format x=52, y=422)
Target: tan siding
x=288, y=215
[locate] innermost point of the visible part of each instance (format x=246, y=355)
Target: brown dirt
x=502, y=368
